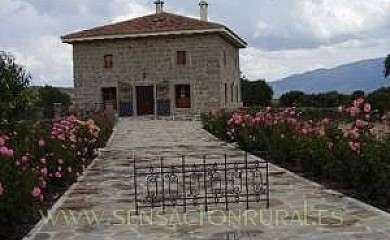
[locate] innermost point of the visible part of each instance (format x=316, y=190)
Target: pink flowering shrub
x=39, y=161
x=351, y=155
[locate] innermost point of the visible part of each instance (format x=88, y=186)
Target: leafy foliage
x=292, y=98
x=352, y=157
x=39, y=161
x=380, y=99
x=13, y=80
x=49, y=95
x=387, y=66
x=256, y=93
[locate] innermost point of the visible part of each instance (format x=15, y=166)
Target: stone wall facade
x=212, y=71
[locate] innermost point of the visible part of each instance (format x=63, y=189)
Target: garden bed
x=38, y=163
x=353, y=160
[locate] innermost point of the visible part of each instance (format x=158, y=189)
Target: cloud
x=132, y=10
x=273, y=65
x=285, y=37
x=314, y=23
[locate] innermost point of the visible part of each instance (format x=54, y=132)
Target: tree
x=380, y=99
x=256, y=93
x=14, y=79
x=357, y=94
x=387, y=66
x=49, y=95
x=293, y=99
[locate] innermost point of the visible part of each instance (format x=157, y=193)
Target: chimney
x=204, y=10
x=159, y=6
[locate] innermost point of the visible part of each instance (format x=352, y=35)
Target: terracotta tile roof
x=150, y=24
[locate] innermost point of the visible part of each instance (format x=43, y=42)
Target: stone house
x=159, y=64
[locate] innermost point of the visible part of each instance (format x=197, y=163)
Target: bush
x=48, y=96
x=354, y=159
x=39, y=161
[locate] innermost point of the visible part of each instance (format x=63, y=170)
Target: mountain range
x=366, y=75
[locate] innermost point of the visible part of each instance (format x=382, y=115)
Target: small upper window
x=181, y=57
x=224, y=58
x=108, y=61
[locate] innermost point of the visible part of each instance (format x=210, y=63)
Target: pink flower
x=6, y=152
x=367, y=108
x=340, y=109
x=354, y=111
x=10, y=153
x=91, y=122
x=24, y=159
x=361, y=124
x=36, y=192
x=44, y=172
x=325, y=121
x=354, y=146
x=352, y=132
x=43, y=161
x=58, y=174
x=2, y=141
x=1, y=189
x=3, y=150
x=41, y=143
x=358, y=102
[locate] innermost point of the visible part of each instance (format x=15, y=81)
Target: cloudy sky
x=284, y=36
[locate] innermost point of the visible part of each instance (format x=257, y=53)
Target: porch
x=148, y=99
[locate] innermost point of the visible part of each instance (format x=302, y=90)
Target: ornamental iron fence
x=201, y=180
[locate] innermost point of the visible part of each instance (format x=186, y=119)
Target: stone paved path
x=107, y=186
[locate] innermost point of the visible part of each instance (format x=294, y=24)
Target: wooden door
x=145, y=100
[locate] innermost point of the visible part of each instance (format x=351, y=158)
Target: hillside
x=364, y=75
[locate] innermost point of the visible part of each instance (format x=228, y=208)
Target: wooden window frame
x=181, y=57
x=108, y=61
x=226, y=93
x=183, y=96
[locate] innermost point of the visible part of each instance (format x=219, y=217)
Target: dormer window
x=108, y=61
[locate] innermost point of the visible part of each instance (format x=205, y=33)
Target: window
x=181, y=57
x=232, y=92
x=183, y=96
x=226, y=92
x=108, y=61
x=109, y=97
x=237, y=94
x=224, y=58
x=236, y=91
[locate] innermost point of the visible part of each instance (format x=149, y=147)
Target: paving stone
x=295, y=203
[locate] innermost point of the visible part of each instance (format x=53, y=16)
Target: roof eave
x=240, y=43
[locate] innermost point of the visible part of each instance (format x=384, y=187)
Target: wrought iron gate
x=210, y=181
